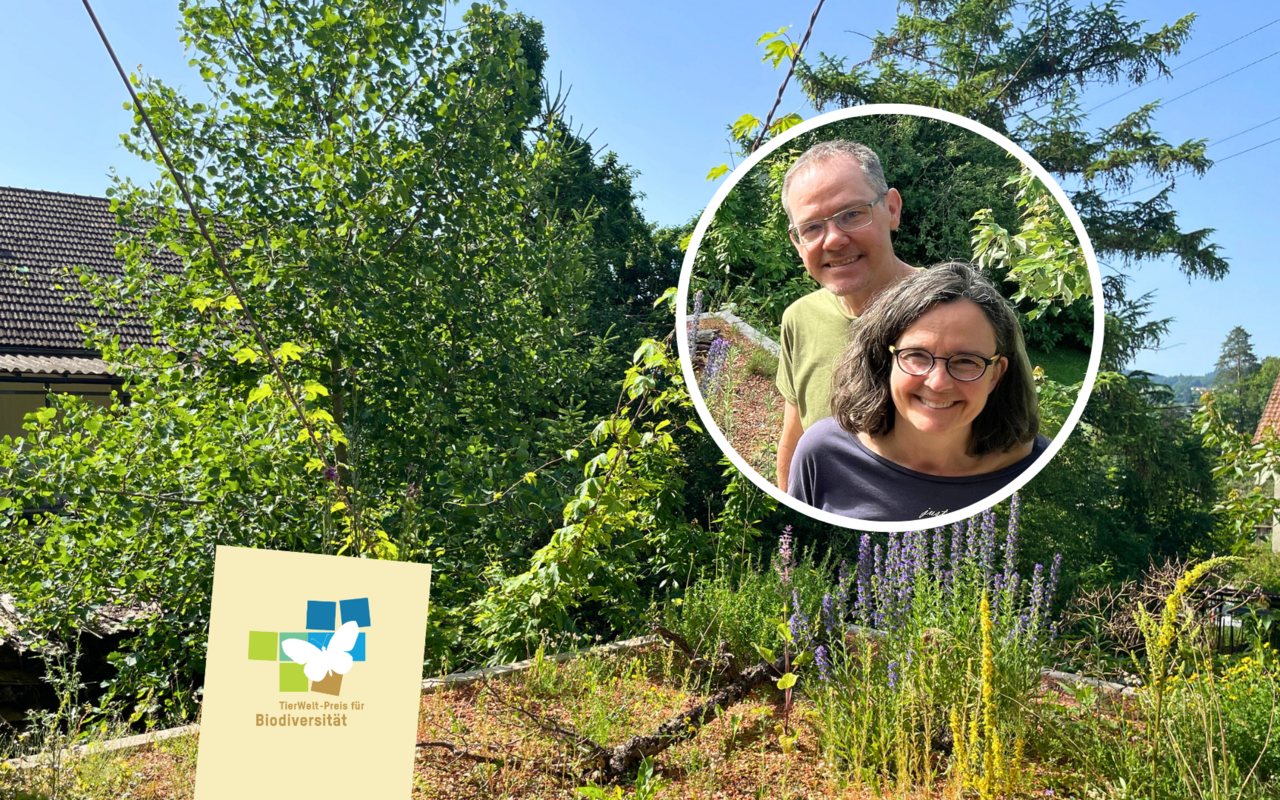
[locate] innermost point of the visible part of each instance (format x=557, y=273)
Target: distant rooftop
x=43, y=235
x=1270, y=414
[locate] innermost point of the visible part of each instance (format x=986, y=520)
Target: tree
x=1238, y=400
x=1237, y=360
x=379, y=276
x=1132, y=481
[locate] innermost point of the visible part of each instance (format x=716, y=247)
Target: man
x=841, y=212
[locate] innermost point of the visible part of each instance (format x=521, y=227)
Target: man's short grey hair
x=823, y=152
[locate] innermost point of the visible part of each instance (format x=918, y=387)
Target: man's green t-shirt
x=815, y=331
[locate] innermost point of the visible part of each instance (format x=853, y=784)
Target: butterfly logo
x=317, y=662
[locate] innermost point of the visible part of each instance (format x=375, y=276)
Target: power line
x=1243, y=132
x=1184, y=64
x=1216, y=162
x=1215, y=80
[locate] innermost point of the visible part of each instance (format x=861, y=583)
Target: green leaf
x=745, y=125
x=767, y=35
x=764, y=652
x=245, y=354
x=787, y=681
x=786, y=123
x=717, y=172
x=260, y=392
x=784, y=631
x=289, y=352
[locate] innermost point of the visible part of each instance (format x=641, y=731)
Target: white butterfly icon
x=317, y=662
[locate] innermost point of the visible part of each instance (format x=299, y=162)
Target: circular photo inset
x=889, y=317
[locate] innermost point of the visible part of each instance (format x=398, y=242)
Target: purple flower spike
x=824, y=663
x=693, y=323
x=716, y=366
x=799, y=622
x=784, y=560
x=1052, y=588
x=829, y=617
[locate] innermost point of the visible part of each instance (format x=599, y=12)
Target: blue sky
x=659, y=81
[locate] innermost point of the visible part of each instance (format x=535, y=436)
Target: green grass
x=1064, y=365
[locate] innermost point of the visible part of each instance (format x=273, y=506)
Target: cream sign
x=312, y=660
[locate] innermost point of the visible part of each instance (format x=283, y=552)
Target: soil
x=753, y=418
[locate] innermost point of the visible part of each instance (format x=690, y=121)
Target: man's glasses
x=849, y=220
x=961, y=366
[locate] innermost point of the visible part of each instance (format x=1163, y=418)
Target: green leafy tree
x=1134, y=480
x=381, y=329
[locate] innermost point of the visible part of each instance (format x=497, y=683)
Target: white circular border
x=682, y=320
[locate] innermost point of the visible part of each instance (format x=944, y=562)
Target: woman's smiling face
x=937, y=403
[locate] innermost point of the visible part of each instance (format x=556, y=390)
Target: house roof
x=1270, y=413
x=43, y=235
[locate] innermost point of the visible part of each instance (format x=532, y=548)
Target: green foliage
x=762, y=363
x=623, y=534
x=1242, y=401
x=434, y=266
x=1258, y=566
x=1044, y=260
x=740, y=607
x=1130, y=482
x=1237, y=360
x=1250, y=468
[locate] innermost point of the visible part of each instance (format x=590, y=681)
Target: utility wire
x=1216, y=162
x=1180, y=66
x=1243, y=132
x=1215, y=80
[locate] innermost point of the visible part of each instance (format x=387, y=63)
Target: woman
x=933, y=404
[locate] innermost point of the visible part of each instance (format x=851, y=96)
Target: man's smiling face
x=845, y=263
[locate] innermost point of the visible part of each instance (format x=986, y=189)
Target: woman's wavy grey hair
x=860, y=399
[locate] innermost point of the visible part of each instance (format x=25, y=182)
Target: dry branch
x=623, y=758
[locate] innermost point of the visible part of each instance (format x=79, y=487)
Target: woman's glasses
x=961, y=366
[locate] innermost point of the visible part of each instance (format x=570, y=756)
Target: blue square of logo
x=321, y=614
x=357, y=610
x=357, y=652
x=319, y=638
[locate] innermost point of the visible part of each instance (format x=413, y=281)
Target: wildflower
x=693, y=323
x=1052, y=587
x=893, y=674
x=939, y=551
x=865, y=569
x=986, y=554
x=829, y=618
x=842, y=592
x=783, y=561
x=1011, y=542
x=799, y=621
x=823, y=662
x=716, y=365
x=331, y=474
x=1037, y=591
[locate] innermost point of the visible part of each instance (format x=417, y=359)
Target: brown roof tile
x=1270, y=414
x=42, y=236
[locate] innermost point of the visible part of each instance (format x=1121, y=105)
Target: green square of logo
x=292, y=678
x=283, y=636
x=262, y=645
